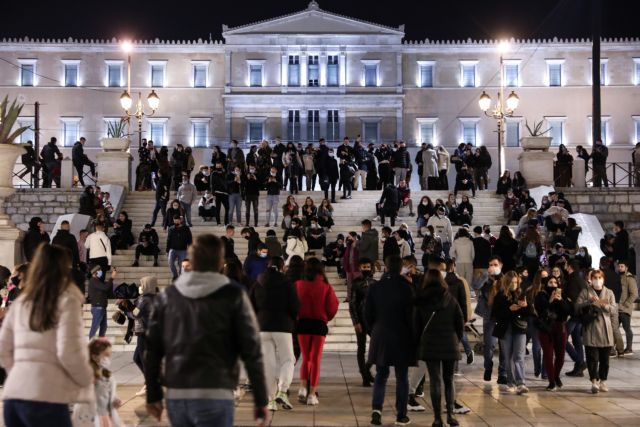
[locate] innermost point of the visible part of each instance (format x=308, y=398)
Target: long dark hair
x=295, y=269
x=48, y=276
x=313, y=268
x=432, y=281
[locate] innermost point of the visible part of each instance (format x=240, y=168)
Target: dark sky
x=191, y=19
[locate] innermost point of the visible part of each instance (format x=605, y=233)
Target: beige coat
x=629, y=293
x=599, y=333
x=51, y=366
x=443, y=159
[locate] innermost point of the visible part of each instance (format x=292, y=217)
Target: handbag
x=455, y=159
x=119, y=317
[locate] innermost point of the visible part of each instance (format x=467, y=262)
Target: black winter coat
x=358, y=299
x=457, y=291
x=390, y=200
x=504, y=317
x=32, y=239
x=65, y=239
x=438, y=324
x=389, y=315
x=87, y=205
x=275, y=301
x=401, y=158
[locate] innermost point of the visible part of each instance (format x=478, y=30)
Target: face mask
x=428, y=234
x=443, y=274
x=252, y=171
x=405, y=271
x=513, y=287
x=497, y=271
x=236, y=173
x=425, y=203
x=581, y=253
x=105, y=362
x=597, y=284
x=273, y=174
x=331, y=155
x=367, y=273
x=15, y=280
x=205, y=173
x=314, y=225
x=140, y=290
x=263, y=255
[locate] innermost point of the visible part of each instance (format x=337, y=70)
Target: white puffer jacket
x=462, y=250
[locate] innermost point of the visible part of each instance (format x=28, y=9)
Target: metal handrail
x=619, y=174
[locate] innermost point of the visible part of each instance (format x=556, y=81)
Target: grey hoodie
x=199, y=284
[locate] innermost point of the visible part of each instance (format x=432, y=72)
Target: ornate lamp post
x=500, y=111
x=126, y=101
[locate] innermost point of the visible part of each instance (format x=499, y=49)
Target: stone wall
x=608, y=204
x=46, y=203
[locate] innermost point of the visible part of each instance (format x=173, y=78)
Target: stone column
x=537, y=167
x=66, y=173
x=578, y=174
x=114, y=167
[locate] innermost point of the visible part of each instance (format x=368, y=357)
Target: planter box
x=115, y=144
x=535, y=143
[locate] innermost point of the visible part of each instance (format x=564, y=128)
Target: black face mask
x=15, y=280
x=367, y=273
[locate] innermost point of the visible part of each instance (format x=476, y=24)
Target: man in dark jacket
x=331, y=176
x=178, y=240
x=51, y=158
x=253, y=238
x=368, y=243
x=346, y=156
x=464, y=182
x=201, y=327
x=31, y=163
x=333, y=254
x=88, y=202
x=65, y=239
x=482, y=253
x=219, y=188
x=99, y=292
x=80, y=159
x=401, y=160
x=357, y=300
x=256, y=262
x=599, y=156
x=147, y=245
x=34, y=236
x=229, y=243
x=162, y=198
x=388, y=314
x=574, y=285
x=621, y=242
x=388, y=204
x=390, y=246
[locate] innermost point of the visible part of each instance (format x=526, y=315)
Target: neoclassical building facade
x=313, y=74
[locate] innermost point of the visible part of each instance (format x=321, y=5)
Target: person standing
x=220, y=189
x=388, y=314
x=368, y=243
x=573, y=287
x=51, y=159
x=43, y=346
x=350, y=261
x=318, y=306
x=99, y=248
x=628, y=297
x=388, y=204
x=442, y=228
x=235, y=186
x=482, y=253
x=384, y=156
x=443, y=167
x=346, y=155
x=235, y=157
x=361, y=160
x=597, y=303
x=439, y=325
x=79, y=160
x=276, y=303
x=274, y=185
x=463, y=253
x=186, y=195
x=401, y=161
x=162, y=198
x=251, y=186
x=357, y=300
x=429, y=168
x=178, y=241
x=34, y=236
x=99, y=292
x=144, y=303
x=65, y=239
x=203, y=313
x=599, y=156
x=621, y=241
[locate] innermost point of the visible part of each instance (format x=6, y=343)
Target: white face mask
x=105, y=362
x=425, y=203
x=252, y=171
x=580, y=253
x=597, y=284
x=495, y=271
x=443, y=273
x=405, y=271
x=332, y=155
x=273, y=174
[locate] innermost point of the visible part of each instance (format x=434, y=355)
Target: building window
x=294, y=70
x=333, y=126
x=114, y=74
x=158, y=131
x=425, y=73
x=371, y=131
x=554, y=71
x=293, y=126
x=313, y=125
x=556, y=130
x=468, y=73
x=637, y=127
x=427, y=128
x=29, y=134
x=255, y=73
x=333, y=70
x=512, y=74
x=470, y=130
x=636, y=64
x=71, y=71
x=70, y=130
x=604, y=129
x=200, y=132
x=27, y=72
x=513, y=133
x=603, y=71
x=200, y=71
x=313, y=71
x=256, y=131
x=157, y=70
x=370, y=73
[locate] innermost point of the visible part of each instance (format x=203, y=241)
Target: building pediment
x=313, y=22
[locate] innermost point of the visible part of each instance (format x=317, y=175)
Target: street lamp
x=500, y=111
x=127, y=102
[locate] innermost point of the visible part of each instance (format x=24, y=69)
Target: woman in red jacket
x=318, y=305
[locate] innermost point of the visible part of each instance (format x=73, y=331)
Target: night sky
x=192, y=19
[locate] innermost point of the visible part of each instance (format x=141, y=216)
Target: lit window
x=294, y=70
x=313, y=125
x=27, y=72
x=512, y=74
x=427, y=129
x=470, y=130
x=603, y=71
x=370, y=75
x=333, y=126
x=255, y=75
x=29, y=134
x=333, y=70
x=70, y=130
x=200, y=70
x=114, y=74
x=313, y=71
x=200, y=132
x=554, y=71
x=426, y=73
x=468, y=73
x=157, y=69
x=371, y=132
x=636, y=64
x=71, y=71
x=556, y=131
x=513, y=133
x=158, y=131
x=256, y=131
x=637, y=123
x=293, y=126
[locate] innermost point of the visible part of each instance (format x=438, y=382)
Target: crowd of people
x=535, y=285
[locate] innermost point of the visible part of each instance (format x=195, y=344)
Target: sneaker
x=267, y=225
x=510, y=388
x=376, y=418
x=522, y=389
x=283, y=400
x=302, y=395
x=460, y=409
x=377, y=218
x=470, y=357
x=312, y=400
x=613, y=354
x=502, y=380
x=413, y=405
x=595, y=387
x=142, y=391
x=603, y=387
x=403, y=421
x=627, y=352
x=272, y=406
x=487, y=375
x=551, y=387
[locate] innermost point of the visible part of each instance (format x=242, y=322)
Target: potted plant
x=536, y=139
x=116, y=139
x=9, y=151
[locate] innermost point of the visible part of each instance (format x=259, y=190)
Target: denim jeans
x=138, y=354
x=98, y=320
x=513, y=347
x=176, y=256
x=465, y=343
x=187, y=213
x=490, y=343
x=536, y=348
x=235, y=204
x=29, y=413
x=161, y=206
x=200, y=412
x=272, y=206
x=575, y=348
x=402, y=388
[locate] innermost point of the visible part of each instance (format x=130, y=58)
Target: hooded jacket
x=68, y=240
x=368, y=245
x=33, y=238
x=202, y=326
x=438, y=324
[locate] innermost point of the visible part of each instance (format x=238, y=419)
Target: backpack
x=531, y=251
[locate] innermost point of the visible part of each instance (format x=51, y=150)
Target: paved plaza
x=344, y=402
